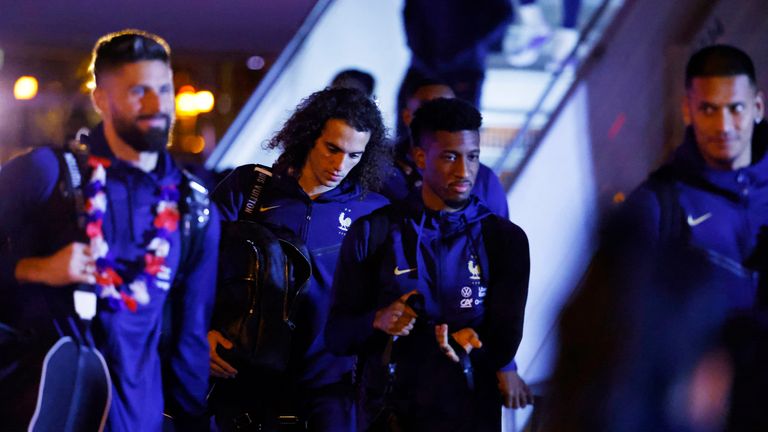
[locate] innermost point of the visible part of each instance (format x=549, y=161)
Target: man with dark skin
x=469, y=269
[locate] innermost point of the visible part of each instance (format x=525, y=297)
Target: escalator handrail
x=524, y=130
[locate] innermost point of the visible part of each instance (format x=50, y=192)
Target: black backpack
x=262, y=273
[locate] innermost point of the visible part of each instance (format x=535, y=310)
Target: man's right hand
x=219, y=368
x=71, y=264
x=396, y=319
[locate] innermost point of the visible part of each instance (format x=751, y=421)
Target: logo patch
x=399, y=272
x=344, y=220
x=466, y=292
x=481, y=292
x=474, y=269
x=692, y=221
x=466, y=303
x=263, y=209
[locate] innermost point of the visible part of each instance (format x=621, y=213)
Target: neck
x=145, y=161
x=311, y=187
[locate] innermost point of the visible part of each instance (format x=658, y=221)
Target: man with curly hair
x=334, y=153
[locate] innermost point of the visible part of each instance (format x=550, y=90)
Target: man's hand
x=396, y=319
x=71, y=264
x=514, y=390
x=467, y=338
x=219, y=368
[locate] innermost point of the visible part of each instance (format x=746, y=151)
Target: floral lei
x=109, y=284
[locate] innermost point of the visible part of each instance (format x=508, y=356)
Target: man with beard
x=431, y=292
x=148, y=250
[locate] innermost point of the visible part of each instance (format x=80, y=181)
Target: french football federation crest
x=474, y=269
x=344, y=220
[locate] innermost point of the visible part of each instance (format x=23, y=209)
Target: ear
x=759, y=107
x=420, y=157
x=685, y=109
x=99, y=100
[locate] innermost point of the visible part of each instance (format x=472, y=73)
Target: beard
x=152, y=140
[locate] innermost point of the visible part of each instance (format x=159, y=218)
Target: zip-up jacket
x=723, y=211
x=466, y=279
x=322, y=224
x=39, y=222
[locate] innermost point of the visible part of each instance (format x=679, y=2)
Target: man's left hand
x=467, y=338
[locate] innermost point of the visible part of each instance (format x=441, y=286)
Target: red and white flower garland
x=109, y=284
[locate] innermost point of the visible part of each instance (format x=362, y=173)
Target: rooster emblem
x=474, y=269
x=344, y=222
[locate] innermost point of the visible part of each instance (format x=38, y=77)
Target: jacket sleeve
x=354, y=293
x=26, y=183
x=507, y=296
x=189, y=361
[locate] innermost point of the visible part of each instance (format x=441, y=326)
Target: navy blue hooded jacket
x=322, y=224
x=467, y=280
x=725, y=211
x=38, y=223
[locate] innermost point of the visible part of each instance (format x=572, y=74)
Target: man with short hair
x=404, y=177
x=137, y=251
x=712, y=196
x=431, y=292
x=334, y=152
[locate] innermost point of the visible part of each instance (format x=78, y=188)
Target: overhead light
x=255, y=63
x=190, y=103
x=25, y=88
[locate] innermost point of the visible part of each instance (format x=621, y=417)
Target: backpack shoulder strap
x=195, y=209
x=672, y=217
x=260, y=179
x=72, y=172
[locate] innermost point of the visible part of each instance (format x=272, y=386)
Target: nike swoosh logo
x=697, y=221
x=399, y=272
x=263, y=209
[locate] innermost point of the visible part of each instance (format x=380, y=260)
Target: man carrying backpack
x=431, y=292
x=334, y=152
x=713, y=195
x=144, y=242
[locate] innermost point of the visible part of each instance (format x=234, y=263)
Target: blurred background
x=579, y=103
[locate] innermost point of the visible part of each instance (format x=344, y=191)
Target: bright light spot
x=255, y=63
x=91, y=84
x=25, y=88
x=193, y=144
x=186, y=102
x=204, y=101
x=190, y=103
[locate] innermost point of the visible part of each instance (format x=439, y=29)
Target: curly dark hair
x=299, y=133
